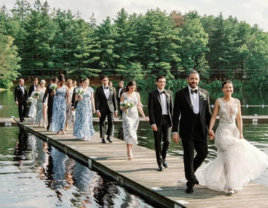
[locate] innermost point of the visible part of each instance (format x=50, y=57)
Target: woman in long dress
x=69, y=112
x=39, y=105
x=59, y=107
x=130, y=117
x=83, y=126
x=32, y=110
x=237, y=160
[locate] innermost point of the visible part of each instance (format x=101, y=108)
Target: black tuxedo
x=21, y=98
x=163, y=122
x=74, y=103
x=118, y=96
x=49, y=98
x=107, y=107
x=31, y=89
x=193, y=129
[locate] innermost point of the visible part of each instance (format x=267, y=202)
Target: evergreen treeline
x=133, y=45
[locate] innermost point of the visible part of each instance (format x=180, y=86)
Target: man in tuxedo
x=21, y=99
x=33, y=87
x=120, y=91
x=49, y=98
x=192, y=103
x=160, y=106
x=105, y=104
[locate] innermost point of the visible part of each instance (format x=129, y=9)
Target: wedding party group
x=186, y=117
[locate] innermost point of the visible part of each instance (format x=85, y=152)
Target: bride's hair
x=226, y=82
x=131, y=83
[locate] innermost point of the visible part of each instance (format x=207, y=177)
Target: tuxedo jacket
x=183, y=106
x=31, y=89
x=74, y=103
x=155, y=107
x=122, y=91
x=19, y=96
x=48, y=96
x=102, y=103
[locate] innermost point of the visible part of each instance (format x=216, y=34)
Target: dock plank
x=141, y=176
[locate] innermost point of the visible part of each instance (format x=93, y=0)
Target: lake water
x=33, y=174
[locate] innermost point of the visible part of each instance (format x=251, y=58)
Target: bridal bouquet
x=53, y=87
x=37, y=94
x=80, y=92
x=30, y=99
x=127, y=105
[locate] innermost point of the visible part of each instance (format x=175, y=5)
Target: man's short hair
x=160, y=77
x=192, y=72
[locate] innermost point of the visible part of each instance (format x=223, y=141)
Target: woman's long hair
x=131, y=83
x=61, y=79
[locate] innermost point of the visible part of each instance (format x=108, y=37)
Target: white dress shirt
x=106, y=91
x=194, y=99
x=163, y=98
x=22, y=89
x=119, y=91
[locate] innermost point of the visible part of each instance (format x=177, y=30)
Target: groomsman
x=105, y=104
x=120, y=91
x=160, y=106
x=33, y=87
x=21, y=99
x=48, y=96
x=74, y=103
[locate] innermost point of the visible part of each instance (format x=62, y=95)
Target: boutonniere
x=168, y=96
x=111, y=89
x=203, y=96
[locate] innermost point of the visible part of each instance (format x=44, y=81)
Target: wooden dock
x=7, y=122
x=141, y=176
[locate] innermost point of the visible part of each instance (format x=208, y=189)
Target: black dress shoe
x=165, y=164
x=160, y=168
x=190, y=187
x=103, y=141
x=48, y=127
x=196, y=181
x=23, y=119
x=109, y=139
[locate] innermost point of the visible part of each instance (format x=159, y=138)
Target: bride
x=237, y=160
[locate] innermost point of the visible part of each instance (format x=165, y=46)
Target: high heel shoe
x=230, y=191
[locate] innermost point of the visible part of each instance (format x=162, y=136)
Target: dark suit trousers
x=119, y=109
x=49, y=114
x=198, y=143
x=163, y=131
x=22, y=109
x=107, y=113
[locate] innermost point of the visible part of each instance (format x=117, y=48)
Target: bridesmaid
x=130, y=116
x=83, y=126
x=39, y=105
x=69, y=112
x=59, y=107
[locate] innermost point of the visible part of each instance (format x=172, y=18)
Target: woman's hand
x=146, y=119
x=124, y=109
x=241, y=136
x=211, y=134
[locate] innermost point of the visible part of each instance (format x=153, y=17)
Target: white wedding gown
x=237, y=160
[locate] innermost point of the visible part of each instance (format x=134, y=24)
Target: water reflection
x=46, y=177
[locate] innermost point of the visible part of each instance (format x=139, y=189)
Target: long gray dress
x=130, y=121
x=39, y=108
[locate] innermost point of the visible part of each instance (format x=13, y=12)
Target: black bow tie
x=106, y=88
x=193, y=91
x=163, y=92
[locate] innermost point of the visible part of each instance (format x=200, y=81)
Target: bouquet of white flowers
x=53, y=87
x=80, y=92
x=127, y=105
x=30, y=99
x=37, y=94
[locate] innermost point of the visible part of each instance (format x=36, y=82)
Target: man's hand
x=73, y=108
x=176, y=137
x=98, y=114
x=115, y=114
x=154, y=127
x=17, y=103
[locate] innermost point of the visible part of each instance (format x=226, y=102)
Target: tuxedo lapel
x=158, y=97
x=200, y=101
x=102, y=92
x=187, y=97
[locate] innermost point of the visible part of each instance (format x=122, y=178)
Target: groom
x=192, y=103
x=105, y=103
x=160, y=106
x=21, y=99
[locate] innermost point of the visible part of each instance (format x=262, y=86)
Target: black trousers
x=119, y=109
x=22, y=109
x=49, y=114
x=107, y=113
x=196, y=142
x=163, y=132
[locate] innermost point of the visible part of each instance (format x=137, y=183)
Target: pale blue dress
x=83, y=126
x=59, y=110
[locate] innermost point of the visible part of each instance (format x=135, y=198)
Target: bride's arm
x=213, y=118
x=239, y=120
x=140, y=108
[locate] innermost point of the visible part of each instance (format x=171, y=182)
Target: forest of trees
x=37, y=37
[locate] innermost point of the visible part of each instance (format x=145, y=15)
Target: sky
x=251, y=11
